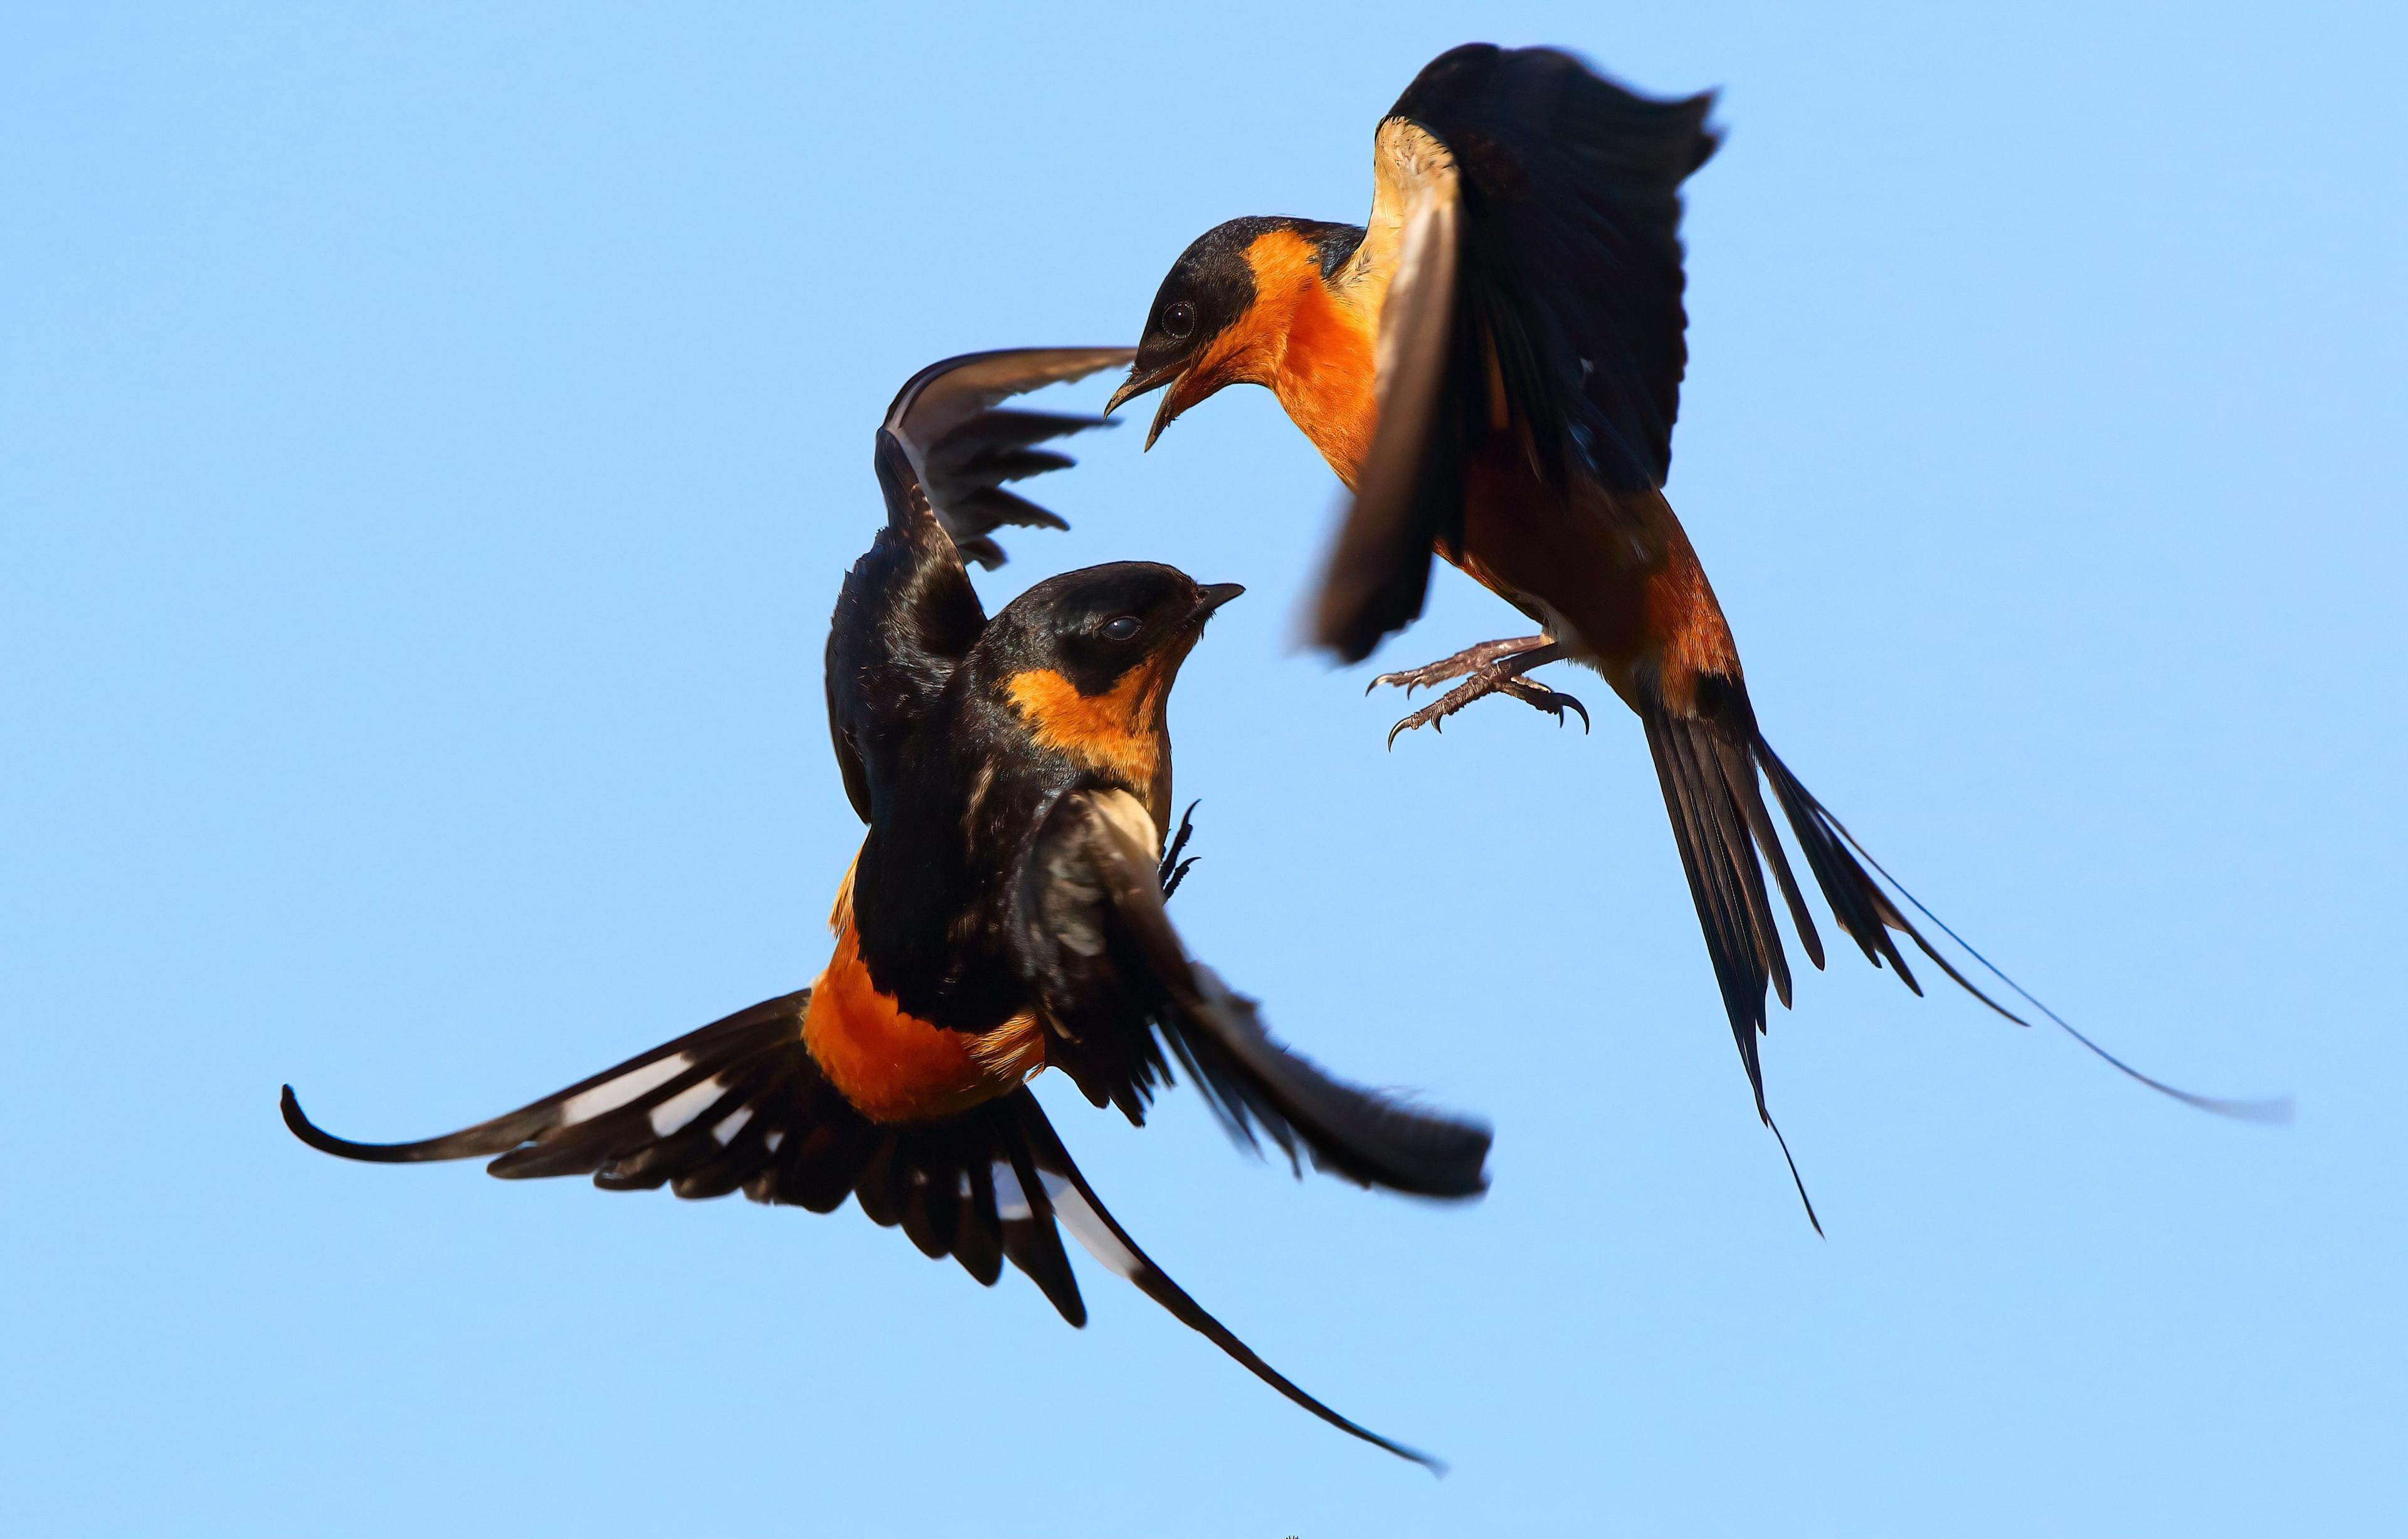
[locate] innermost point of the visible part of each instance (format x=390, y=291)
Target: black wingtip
x=316, y=1137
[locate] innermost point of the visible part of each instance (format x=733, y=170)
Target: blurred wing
x=1562, y=325
x=1111, y=973
x=1408, y=499
x=908, y=615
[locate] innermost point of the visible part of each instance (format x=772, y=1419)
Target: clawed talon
x=1178, y=874
x=1470, y=660
x=1496, y=667
x=1554, y=702
x=1173, y=871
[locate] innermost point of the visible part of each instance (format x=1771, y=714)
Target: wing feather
x=1563, y=325
x=908, y=615
x=1113, y=974
x=1409, y=499
x=957, y=449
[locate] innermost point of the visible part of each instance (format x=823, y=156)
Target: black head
x=1204, y=316
x=1098, y=628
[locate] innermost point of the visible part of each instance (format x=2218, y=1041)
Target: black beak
x=1213, y=598
x=1141, y=379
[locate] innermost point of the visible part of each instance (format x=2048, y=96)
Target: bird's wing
x=908, y=615
x=741, y=1105
x=1117, y=985
x=1526, y=228
x=959, y=450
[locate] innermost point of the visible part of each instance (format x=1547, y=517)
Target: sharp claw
x=1576, y=706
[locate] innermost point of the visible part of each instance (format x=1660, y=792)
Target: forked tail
x=741, y=1105
x=1708, y=760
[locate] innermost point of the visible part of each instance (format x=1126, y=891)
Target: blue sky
x=430, y=442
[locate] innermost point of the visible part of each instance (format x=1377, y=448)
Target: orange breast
x=897, y=1067
x=1324, y=379
x=1615, y=567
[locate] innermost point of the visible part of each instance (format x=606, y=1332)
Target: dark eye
x=1179, y=319
x=1122, y=627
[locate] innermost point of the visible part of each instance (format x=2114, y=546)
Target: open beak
x=1142, y=381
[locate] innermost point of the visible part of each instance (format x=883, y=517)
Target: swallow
x=1003, y=915
x=1492, y=365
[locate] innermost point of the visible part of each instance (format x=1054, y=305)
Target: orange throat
x=1312, y=344
x=894, y=1067
x=1120, y=733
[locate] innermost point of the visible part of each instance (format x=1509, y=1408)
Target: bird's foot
x=1173, y=871
x=1499, y=676
x=1470, y=660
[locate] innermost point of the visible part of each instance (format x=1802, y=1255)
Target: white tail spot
x=686, y=1105
x=612, y=1094
x=732, y=1124
x=1087, y=1225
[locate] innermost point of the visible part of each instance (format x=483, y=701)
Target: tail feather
x=1096, y=1228
x=1708, y=760
x=1862, y=909
x=740, y=1104
x=1741, y=948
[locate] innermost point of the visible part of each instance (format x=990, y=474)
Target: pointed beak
x=1214, y=597
x=1142, y=379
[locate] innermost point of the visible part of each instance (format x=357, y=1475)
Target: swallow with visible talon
x=1492, y=365
x=1004, y=915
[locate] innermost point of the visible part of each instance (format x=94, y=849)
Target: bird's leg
x=1500, y=675
x=1463, y=662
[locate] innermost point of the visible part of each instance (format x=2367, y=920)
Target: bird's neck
x=1325, y=378
x=1310, y=341
x=1121, y=736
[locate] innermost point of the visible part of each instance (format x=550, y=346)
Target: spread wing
x=1116, y=983
x=740, y=1105
x=908, y=615
x=1527, y=226
x=960, y=450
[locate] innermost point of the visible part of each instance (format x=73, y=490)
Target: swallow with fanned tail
x=1004, y=915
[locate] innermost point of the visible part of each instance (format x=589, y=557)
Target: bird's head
x=1222, y=315
x=1088, y=658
